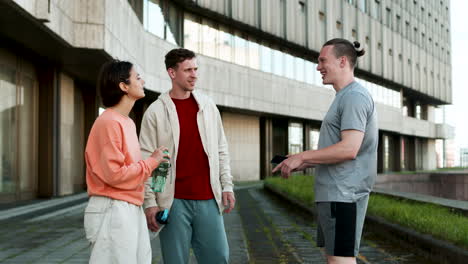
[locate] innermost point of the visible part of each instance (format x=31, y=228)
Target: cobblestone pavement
x=59, y=238
x=261, y=224
x=279, y=233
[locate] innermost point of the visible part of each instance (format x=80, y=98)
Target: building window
x=302, y=6
x=299, y=68
x=314, y=139
x=18, y=130
x=295, y=138
x=266, y=55
x=389, y=18
x=338, y=25
x=154, y=18
x=362, y=5
x=418, y=111
x=240, y=50
x=415, y=36
x=225, y=45
x=398, y=24
x=209, y=39
x=164, y=23
x=377, y=10
x=321, y=16
x=254, y=55
x=386, y=154
x=354, y=33
x=192, y=35
x=408, y=30
x=278, y=62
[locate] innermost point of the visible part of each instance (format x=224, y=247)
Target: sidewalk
x=261, y=229
x=58, y=236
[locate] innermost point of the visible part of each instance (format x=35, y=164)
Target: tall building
x=257, y=60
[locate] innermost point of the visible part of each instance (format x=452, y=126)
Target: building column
x=49, y=118
x=397, y=153
x=266, y=146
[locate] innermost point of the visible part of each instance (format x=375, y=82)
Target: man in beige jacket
x=199, y=184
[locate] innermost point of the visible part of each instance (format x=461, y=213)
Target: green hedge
x=438, y=221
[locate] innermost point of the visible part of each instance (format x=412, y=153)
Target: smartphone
x=277, y=159
x=161, y=217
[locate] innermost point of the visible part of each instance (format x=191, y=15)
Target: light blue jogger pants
x=195, y=223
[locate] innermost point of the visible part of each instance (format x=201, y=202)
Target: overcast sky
x=457, y=114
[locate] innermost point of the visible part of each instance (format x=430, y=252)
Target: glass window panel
x=318, y=76
x=226, y=46
x=241, y=50
x=418, y=111
x=309, y=72
x=295, y=138
x=170, y=36
x=289, y=66
x=379, y=93
x=386, y=159
x=192, y=35
x=278, y=62
x=209, y=41
x=386, y=96
x=299, y=69
x=404, y=110
x=27, y=158
x=254, y=55
x=362, y=5
x=155, y=18
x=265, y=58
x=314, y=139
x=172, y=25
x=7, y=129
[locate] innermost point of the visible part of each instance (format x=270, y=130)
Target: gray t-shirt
x=352, y=109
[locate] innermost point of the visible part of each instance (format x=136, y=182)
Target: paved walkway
x=262, y=229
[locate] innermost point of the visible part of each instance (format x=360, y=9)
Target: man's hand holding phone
x=289, y=164
x=150, y=218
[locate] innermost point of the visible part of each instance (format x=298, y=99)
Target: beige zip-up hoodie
x=160, y=127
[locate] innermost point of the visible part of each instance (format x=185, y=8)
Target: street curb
x=433, y=248
x=43, y=207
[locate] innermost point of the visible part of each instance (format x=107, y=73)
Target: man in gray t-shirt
x=350, y=180
x=347, y=156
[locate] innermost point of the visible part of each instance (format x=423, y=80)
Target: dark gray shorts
x=339, y=226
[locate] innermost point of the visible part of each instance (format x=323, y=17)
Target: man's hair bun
x=357, y=47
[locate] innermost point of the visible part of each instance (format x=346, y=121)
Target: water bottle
x=159, y=176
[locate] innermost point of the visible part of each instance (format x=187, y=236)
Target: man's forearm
x=336, y=153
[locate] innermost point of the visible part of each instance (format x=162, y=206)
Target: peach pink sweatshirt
x=114, y=167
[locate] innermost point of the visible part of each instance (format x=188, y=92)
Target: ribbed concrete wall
x=231, y=85
x=243, y=134
x=411, y=60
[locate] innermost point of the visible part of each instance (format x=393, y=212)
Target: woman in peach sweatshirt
x=114, y=220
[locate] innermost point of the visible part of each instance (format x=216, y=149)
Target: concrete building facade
x=257, y=61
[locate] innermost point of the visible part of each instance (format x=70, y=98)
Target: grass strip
x=435, y=220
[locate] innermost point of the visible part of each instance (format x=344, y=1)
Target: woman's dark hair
x=111, y=75
x=343, y=47
x=176, y=56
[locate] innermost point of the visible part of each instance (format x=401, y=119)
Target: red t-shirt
x=192, y=170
